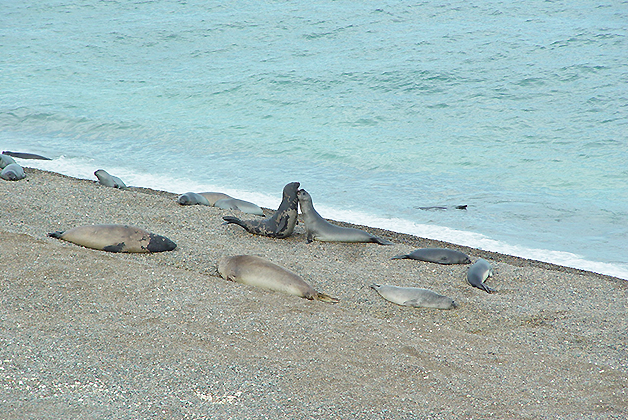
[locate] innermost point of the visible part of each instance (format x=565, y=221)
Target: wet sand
x=90, y=334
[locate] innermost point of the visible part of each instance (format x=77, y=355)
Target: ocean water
x=518, y=110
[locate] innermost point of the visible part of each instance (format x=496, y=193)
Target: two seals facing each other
x=414, y=296
x=116, y=238
x=436, y=255
x=320, y=229
x=281, y=224
x=259, y=272
x=104, y=178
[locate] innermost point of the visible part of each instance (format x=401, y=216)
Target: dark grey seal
x=478, y=273
x=25, y=155
x=116, y=238
x=13, y=172
x=437, y=255
x=281, y=223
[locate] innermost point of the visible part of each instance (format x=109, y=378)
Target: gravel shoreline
x=89, y=334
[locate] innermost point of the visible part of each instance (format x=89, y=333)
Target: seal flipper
x=400, y=257
x=381, y=241
x=232, y=219
x=325, y=298
x=56, y=234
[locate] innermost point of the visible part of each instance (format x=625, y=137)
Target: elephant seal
x=414, y=296
x=437, y=255
x=5, y=161
x=320, y=229
x=191, y=198
x=478, y=273
x=25, y=155
x=460, y=207
x=259, y=272
x=281, y=223
x=109, y=180
x=241, y=205
x=13, y=172
x=212, y=197
x=116, y=238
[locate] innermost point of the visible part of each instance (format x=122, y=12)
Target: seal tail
x=56, y=234
x=399, y=257
x=325, y=298
x=382, y=241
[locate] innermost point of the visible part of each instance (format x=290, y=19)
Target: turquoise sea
x=518, y=110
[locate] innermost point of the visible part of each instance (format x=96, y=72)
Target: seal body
x=108, y=180
x=5, y=161
x=281, y=223
x=259, y=272
x=212, y=197
x=25, y=155
x=241, y=205
x=320, y=229
x=437, y=255
x=191, y=198
x=414, y=296
x=478, y=273
x=13, y=172
x=116, y=238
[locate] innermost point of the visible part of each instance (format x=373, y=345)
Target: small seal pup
x=320, y=229
x=192, y=198
x=13, y=172
x=436, y=255
x=414, y=296
x=241, y=205
x=281, y=223
x=478, y=273
x=22, y=155
x=109, y=180
x=116, y=238
x=259, y=272
x=5, y=161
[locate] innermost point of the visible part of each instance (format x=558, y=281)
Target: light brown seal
x=414, y=296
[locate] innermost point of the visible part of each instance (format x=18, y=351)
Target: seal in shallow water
x=436, y=255
x=320, y=229
x=259, y=272
x=281, y=223
x=414, y=296
x=478, y=273
x=116, y=238
x=109, y=180
x=13, y=172
x=22, y=155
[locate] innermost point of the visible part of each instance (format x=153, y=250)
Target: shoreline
x=91, y=334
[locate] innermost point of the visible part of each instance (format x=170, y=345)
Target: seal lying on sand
x=414, y=296
x=116, y=238
x=13, y=172
x=478, y=273
x=436, y=255
x=5, y=161
x=24, y=155
x=281, y=223
x=320, y=229
x=241, y=205
x=109, y=180
x=192, y=198
x=259, y=272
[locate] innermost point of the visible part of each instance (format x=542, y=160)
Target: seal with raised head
x=436, y=255
x=116, y=238
x=13, y=172
x=414, y=296
x=5, y=161
x=191, y=198
x=281, y=223
x=240, y=205
x=478, y=273
x=319, y=229
x=23, y=155
x=109, y=180
x=259, y=272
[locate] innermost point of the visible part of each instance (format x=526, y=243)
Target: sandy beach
x=92, y=335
